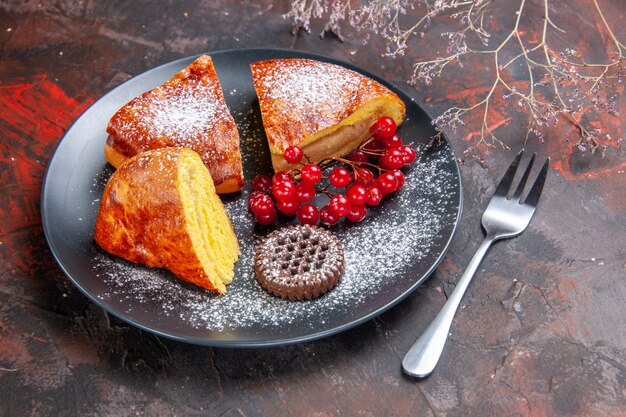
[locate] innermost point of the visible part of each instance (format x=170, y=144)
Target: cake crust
x=187, y=111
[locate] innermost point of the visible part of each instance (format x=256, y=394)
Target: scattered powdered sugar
x=388, y=245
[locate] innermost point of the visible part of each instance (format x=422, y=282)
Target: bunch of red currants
x=357, y=186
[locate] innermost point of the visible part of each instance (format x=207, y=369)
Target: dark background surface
x=541, y=330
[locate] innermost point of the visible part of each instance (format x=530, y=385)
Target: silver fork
x=503, y=218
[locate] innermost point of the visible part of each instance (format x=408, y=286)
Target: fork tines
x=532, y=197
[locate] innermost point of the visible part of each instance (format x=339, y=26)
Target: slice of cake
x=188, y=111
x=325, y=109
x=160, y=209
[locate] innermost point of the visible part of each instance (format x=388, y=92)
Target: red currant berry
x=253, y=197
x=306, y=192
x=284, y=190
x=327, y=216
x=308, y=214
x=356, y=213
x=384, y=162
x=288, y=207
x=376, y=145
x=311, y=173
x=266, y=219
x=392, y=142
x=293, y=154
x=357, y=194
x=392, y=159
x=387, y=183
x=281, y=176
x=263, y=206
x=399, y=178
x=375, y=195
x=339, y=205
x=363, y=176
x=262, y=183
x=384, y=127
x=408, y=154
x=357, y=156
x=340, y=177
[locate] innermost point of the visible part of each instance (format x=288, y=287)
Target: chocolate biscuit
x=299, y=262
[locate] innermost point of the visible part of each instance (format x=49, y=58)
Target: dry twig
x=558, y=84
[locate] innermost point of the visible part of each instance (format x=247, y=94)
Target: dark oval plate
x=388, y=255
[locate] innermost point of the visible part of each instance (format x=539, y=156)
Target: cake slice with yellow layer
x=187, y=111
x=160, y=209
x=325, y=109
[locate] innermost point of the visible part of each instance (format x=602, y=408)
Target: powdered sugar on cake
x=183, y=114
x=305, y=89
x=180, y=113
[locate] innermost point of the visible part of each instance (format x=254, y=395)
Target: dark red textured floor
x=542, y=330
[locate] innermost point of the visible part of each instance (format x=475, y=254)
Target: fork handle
x=423, y=356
